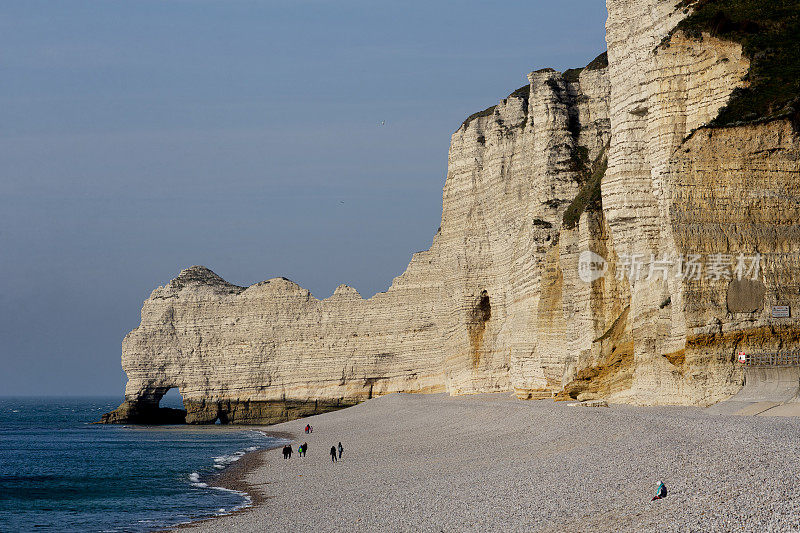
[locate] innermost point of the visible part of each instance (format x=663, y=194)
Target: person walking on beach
x=333, y=454
x=289, y=450
x=308, y=428
x=340, y=450
x=285, y=453
x=305, y=449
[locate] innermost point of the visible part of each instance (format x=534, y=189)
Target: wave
x=194, y=478
x=247, y=501
x=222, y=461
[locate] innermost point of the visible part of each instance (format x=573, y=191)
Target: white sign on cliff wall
x=780, y=311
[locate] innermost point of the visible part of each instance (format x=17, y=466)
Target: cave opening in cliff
x=479, y=315
x=483, y=310
x=169, y=407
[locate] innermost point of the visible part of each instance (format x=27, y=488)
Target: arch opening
x=172, y=399
x=164, y=405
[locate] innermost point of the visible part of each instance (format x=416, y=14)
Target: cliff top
x=201, y=275
x=598, y=63
x=768, y=33
x=570, y=75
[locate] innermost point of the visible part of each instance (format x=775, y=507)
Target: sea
x=60, y=472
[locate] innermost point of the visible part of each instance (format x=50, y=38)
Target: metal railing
x=782, y=358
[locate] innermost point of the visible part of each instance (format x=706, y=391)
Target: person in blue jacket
x=661, y=491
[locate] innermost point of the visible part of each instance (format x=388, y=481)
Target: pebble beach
x=490, y=462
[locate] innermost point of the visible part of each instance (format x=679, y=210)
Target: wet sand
x=490, y=462
x=234, y=477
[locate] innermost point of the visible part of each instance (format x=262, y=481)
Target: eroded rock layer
x=614, y=159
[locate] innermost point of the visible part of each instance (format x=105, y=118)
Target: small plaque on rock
x=780, y=311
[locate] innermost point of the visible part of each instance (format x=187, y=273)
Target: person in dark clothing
x=661, y=491
x=340, y=450
x=289, y=450
x=305, y=449
x=285, y=452
x=333, y=454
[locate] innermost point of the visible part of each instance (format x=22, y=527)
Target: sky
x=141, y=138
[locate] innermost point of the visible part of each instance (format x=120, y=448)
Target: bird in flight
x=382, y=123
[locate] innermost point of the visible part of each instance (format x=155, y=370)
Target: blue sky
x=142, y=137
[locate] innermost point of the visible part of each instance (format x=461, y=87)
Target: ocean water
x=59, y=472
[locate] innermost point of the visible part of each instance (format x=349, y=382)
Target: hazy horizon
x=143, y=138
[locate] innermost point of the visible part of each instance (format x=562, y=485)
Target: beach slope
x=490, y=462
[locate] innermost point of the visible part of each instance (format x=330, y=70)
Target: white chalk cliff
x=616, y=158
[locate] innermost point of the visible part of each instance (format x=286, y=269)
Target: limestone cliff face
x=614, y=159
x=239, y=354
x=676, y=188
x=462, y=318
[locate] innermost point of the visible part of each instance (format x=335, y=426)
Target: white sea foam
x=277, y=440
x=228, y=459
x=194, y=477
x=224, y=489
x=246, y=502
x=220, y=462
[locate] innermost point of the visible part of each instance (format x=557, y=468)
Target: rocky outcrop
x=615, y=161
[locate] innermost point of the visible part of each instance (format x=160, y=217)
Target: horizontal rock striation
x=676, y=188
x=616, y=159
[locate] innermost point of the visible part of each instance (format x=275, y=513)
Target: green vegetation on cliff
x=769, y=32
x=570, y=76
x=485, y=113
x=588, y=197
x=599, y=62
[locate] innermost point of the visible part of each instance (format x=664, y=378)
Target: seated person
x=661, y=491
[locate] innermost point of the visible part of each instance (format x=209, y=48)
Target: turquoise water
x=59, y=472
